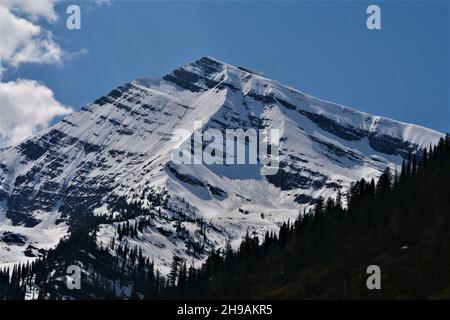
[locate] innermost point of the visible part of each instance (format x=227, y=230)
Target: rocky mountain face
x=113, y=159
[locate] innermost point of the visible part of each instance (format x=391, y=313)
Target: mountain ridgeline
x=400, y=223
x=104, y=178
x=116, y=153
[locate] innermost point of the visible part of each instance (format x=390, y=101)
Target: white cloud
x=34, y=9
x=22, y=40
x=25, y=107
x=102, y=2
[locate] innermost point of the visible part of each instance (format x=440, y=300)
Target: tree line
x=400, y=223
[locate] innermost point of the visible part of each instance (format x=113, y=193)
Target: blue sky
x=322, y=48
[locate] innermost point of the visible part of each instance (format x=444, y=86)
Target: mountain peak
x=209, y=60
x=205, y=65
x=213, y=64
x=119, y=151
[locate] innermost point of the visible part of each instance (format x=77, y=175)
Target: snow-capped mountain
x=113, y=159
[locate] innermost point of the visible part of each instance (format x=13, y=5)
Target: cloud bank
x=32, y=8
x=22, y=39
x=26, y=106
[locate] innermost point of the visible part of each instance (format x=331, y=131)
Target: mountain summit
x=112, y=159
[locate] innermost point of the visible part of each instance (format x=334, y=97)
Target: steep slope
x=115, y=155
x=400, y=225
